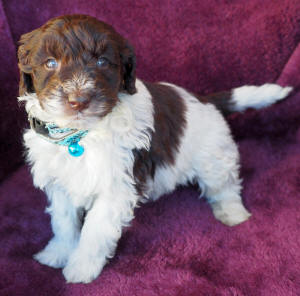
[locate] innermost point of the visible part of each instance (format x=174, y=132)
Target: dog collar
x=61, y=136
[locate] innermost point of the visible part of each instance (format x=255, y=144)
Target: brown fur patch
x=222, y=101
x=169, y=124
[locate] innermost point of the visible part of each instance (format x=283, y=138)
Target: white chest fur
x=107, y=163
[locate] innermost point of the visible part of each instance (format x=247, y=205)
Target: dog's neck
x=60, y=136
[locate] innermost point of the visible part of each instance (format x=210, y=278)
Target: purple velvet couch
x=175, y=246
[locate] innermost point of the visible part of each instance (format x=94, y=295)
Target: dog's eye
x=102, y=62
x=51, y=64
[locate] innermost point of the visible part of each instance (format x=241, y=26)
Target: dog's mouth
x=83, y=119
x=64, y=115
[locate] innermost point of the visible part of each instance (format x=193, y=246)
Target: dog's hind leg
x=227, y=205
x=219, y=176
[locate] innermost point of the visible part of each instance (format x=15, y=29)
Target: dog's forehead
x=73, y=37
x=89, y=24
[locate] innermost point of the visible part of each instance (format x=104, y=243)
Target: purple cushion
x=11, y=116
x=175, y=246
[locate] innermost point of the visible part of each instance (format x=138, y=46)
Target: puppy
x=101, y=140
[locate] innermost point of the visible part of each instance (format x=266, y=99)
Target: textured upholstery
x=175, y=246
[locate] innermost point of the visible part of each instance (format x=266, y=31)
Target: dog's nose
x=78, y=103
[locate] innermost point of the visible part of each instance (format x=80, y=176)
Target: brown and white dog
x=142, y=139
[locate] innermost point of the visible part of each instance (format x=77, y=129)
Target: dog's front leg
x=99, y=236
x=65, y=222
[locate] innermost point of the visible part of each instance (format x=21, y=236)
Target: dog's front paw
x=231, y=213
x=82, y=268
x=55, y=254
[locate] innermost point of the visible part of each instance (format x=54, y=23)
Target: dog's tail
x=242, y=98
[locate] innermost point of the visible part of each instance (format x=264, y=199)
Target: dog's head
x=76, y=66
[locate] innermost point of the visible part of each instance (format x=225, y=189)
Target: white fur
x=97, y=181
x=66, y=227
x=101, y=180
x=258, y=96
x=79, y=82
x=208, y=156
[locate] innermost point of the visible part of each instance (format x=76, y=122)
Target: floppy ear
x=24, y=56
x=25, y=84
x=128, y=61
